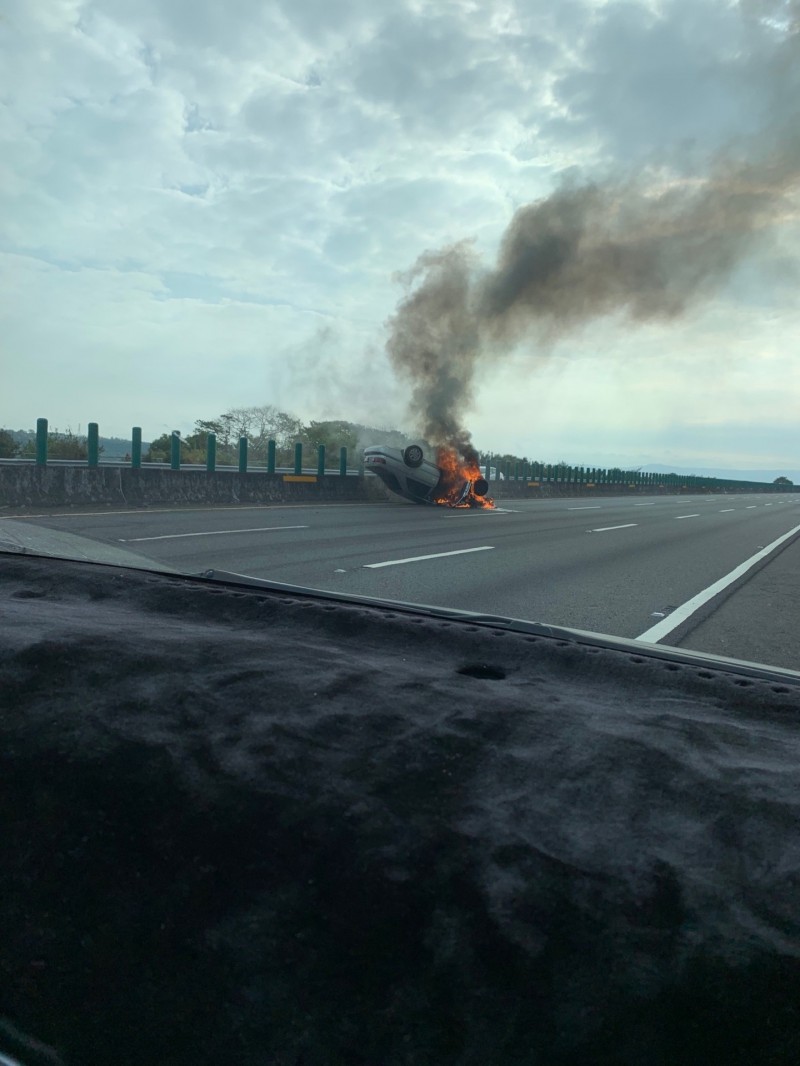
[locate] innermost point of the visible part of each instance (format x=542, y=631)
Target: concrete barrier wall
x=521, y=490
x=29, y=485
x=26, y=485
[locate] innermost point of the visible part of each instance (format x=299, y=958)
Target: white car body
x=407, y=473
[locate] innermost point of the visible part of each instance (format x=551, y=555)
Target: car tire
x=413, y=456
x=480, y=486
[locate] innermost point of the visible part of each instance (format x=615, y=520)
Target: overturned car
x=449, y=482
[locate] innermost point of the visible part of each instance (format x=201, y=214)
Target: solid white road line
x=680, y=614
x=589, y=507
x=644, y=505
x=420, y=558
x=89, y=514
x=155, y=510
x=208, y=533
x=605, y=529
x=678, y=517
x=463, y=512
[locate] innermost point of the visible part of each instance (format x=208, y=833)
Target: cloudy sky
x=207, y=205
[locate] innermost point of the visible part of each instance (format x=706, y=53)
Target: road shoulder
x=743, y=625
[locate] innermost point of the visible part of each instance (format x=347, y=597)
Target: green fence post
x=343, y=462
x=270, y=456
x=136, y=447
x=93, y=443
x=320, y=460
x=41, y=441
x=242, y=455
x=211, y=453
x=298, y=458
x=175, y=450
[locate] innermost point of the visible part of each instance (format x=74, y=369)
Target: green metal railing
x=41, y=441
x=585, y=476
x=244, y=465
x=518, y=470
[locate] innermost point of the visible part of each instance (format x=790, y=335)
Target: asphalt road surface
x=620, y=565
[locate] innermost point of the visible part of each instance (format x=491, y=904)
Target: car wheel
x=413, y=456
x=480, y=486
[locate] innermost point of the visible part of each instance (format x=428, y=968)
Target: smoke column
x=621, y=247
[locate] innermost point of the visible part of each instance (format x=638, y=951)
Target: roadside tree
x=9, y=448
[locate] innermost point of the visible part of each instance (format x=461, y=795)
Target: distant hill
x=724, y=472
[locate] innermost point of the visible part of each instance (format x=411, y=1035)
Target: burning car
x=450, y=481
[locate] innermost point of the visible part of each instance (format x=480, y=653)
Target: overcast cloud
x=207, y=205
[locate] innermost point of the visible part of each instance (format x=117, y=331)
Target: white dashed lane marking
x=606, y=529
x=208, y=533
x=422, y=558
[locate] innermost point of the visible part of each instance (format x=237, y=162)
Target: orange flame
x=455, y=473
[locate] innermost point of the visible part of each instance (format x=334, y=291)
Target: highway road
x=619, y=565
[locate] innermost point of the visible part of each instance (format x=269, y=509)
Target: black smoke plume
x=624, y=247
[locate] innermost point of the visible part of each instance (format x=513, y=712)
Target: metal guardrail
x=122, y=464
x=689, y=483
x=93, y=459
x=532, y=474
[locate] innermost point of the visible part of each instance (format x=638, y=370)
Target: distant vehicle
x=408, y=473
